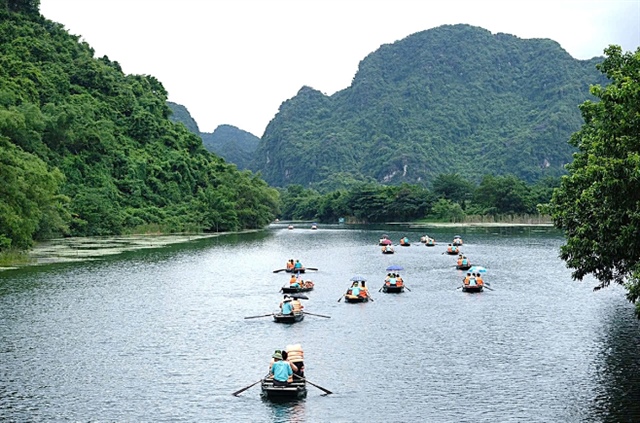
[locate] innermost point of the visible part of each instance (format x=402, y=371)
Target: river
x=159, y=335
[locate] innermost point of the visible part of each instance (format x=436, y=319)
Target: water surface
x=160, y=335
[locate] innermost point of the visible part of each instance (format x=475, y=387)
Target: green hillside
x=233, y=144
x=88, y=150
x=453, y=99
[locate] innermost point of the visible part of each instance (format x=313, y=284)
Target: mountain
x=233, y=144
x=179, y=113
x=88, y=150
x=453, y=99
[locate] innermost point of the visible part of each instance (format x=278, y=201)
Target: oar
x=381, y=288
x=319, y=315
x=313, y=384
x=255, y=317
x=369, y=296
x=490, y=289
x=340, y=299
x=311, y=268
x=236, y=393
x=407, y=288
x=278, y=270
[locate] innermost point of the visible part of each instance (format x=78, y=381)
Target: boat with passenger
x=358, y=292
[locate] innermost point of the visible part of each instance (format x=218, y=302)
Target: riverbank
x=66, y=250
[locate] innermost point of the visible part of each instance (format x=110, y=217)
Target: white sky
x=235, y=61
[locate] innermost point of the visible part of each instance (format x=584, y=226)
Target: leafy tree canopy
x=598, y=202
x=88, y=150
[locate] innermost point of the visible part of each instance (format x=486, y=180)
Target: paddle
x=381, y=288
x=369, y=296
x=340, y=299
x=236, y=393
x=312, y=384
x=319, y=315
x=255, y=317
x=311, y=268
x=278, y=270
x=490, y=289
x=407, y=288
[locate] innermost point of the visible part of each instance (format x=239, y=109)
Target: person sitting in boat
x=459, y=260
x=399, y=281
x=290, y=264
x=297, y=306
x=285, y=306
x=280, y=370
x=355, y=289
x=479, y=279
x=467, y=279
x=297, y=265
x=295, y=281
x=364, y=291
x=392, y=280
x=387, y=248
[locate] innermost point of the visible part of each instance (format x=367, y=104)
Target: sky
x=235, y=62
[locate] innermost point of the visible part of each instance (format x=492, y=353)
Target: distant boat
x=290, y=226
x=314, y=226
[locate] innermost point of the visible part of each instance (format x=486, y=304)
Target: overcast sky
x=235, y=61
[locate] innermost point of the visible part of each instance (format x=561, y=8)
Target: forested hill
x=229, y=142
x=88, y=150
x=450, y=99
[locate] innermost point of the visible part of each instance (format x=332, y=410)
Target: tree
x=598, y=203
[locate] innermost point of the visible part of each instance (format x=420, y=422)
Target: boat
x=463, y=267
x=392, y=289
x=290, y=226
x=457, y=240
x=385, y=240
x=453, y=250
x=387, y=249
x=362, y=294
x=288, y=318
x=288, y=289
x=469, y=284
x=404, y=242
x=296, y=389
x=314, y=227
x=430, y=242
x=472, y=288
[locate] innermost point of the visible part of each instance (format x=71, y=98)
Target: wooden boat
x=385, y=241
x=463, y=267
x=314, y=227
x=355, y=298
x=452, y=253
x=457, y=240
x=296, y=389
x=288, y=318
x=288, y=289
x=472, y=288
x=404, y=242
x=430, y=243
x=392, y=289
x=389, y=251
x=290, y=226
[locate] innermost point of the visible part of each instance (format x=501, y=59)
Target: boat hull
x=460, y=267
x=293, y=391
x=300, y=270
x=472, y=288
x=288, y=318
x=391, y=289
x=290, y=290
x=355, y=299
x=388, y=252
x=453, y=253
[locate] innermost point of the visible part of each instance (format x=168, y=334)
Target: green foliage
x=598, y=204
x=88, y=150
x=447, y=211
x=450, y=100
